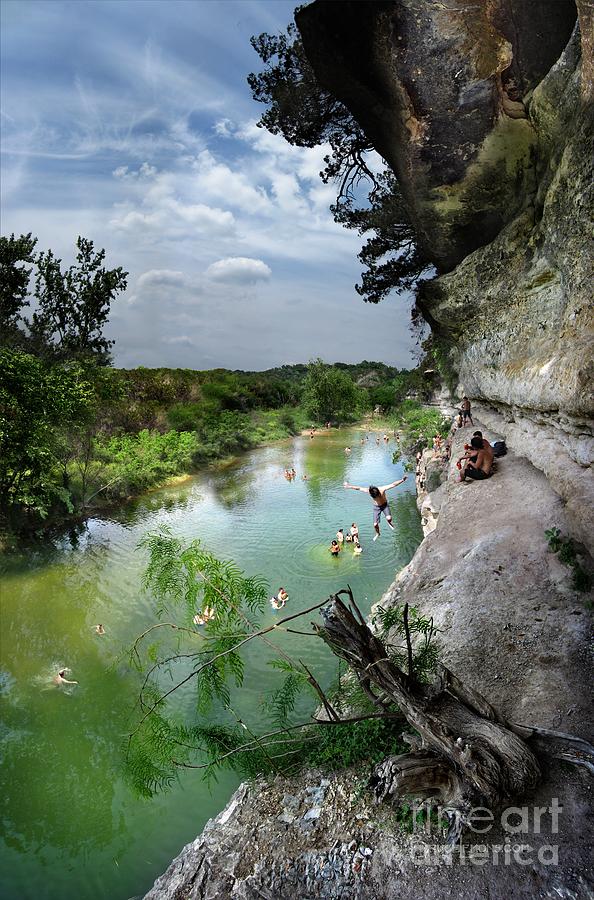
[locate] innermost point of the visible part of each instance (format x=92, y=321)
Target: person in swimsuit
x=486, y=445
x=204, y=617
x=478, y=465
x=381, y=505
x=335, y=548
x=281, y=598
x=465, y=409
x=60, y=678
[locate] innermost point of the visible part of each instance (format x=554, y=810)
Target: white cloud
x=145, y=171
x=239, y=270
x=160, y=277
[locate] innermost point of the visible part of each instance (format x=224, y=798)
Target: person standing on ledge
x=465, y=408
x=381, y=505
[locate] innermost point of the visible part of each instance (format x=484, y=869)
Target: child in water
x=335, y=548
x=281, y=598
x=358, y=548
x=205, y=616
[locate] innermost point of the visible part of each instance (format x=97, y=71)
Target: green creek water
x=72, y=828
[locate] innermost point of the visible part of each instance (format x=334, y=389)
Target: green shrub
x=565, y=548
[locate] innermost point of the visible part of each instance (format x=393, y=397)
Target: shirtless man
x=486, y=445
x=381, y=505
x=465, y=408
x=479, y=462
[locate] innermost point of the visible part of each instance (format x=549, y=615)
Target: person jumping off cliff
x=380, y=501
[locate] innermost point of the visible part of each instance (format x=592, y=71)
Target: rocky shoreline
x=513, y=628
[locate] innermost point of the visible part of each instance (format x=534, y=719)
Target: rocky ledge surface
x=512, y=627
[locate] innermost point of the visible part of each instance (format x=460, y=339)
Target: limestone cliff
x=484, y=111
x=483, y=108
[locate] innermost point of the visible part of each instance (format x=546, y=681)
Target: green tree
x=73, y=306
x=329, y=394
x=15, y=253
x=36, y=401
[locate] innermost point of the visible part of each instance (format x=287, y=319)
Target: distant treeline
x=76, y=433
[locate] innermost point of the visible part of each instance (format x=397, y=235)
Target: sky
x=130, y=122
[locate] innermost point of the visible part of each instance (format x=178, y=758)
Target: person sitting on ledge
x=479, y=462
x=487, y=446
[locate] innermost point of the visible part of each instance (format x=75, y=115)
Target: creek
x=72, y=828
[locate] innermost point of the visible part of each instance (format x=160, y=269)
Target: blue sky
x=131, y=122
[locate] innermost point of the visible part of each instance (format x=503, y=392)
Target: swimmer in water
x=357, y=548
x=281, y=598
x=204, y=617
x=60, y=678
x=335, y=548
x=99, y=629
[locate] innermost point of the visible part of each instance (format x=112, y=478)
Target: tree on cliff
x=307, y=115
x=463, y=753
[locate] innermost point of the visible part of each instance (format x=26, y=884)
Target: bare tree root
x=469, y=755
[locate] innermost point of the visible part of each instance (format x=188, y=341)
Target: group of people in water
x=351, y=537
x=291, y=474
x=59, y=679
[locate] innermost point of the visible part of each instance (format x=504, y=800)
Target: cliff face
x=483, y=108
x=485, y=113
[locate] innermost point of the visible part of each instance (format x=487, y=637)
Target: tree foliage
x=15, y=253
x=37, y=402
x=329, y=394
x=307, y=115
x=391, y=255
x=303, y=112
x=73, y=306
x=214, y=733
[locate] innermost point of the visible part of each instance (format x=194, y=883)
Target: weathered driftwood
x=468, y=755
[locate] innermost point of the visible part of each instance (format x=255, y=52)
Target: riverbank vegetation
x=76, y=433
x=394, y=694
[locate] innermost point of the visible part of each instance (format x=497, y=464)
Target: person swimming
x=60, y=679
x=281, y=598
x=99, y=629
x=202, y=618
